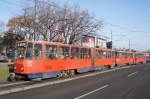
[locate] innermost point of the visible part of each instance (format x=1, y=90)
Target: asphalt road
x=129, y=83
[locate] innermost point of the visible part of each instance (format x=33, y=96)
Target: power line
x=125, y=28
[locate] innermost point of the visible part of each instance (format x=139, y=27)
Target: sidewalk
x=4, y=71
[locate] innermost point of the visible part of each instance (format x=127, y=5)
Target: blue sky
x=127, y=19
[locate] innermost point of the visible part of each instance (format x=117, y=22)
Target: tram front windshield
x=20, y=50
x=24, y=50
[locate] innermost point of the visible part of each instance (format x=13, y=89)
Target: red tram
x=48, y=59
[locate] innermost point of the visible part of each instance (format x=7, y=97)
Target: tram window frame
x=142, y=55
x=118, y=54
x=113, y=54
x=84, y=53
x=100, y=54
x=108, y=54
x=130, y=55
x=30, y=50
x=74, y=53
x=133, y=55
x=89, y=53
x=136, y=56
x=139, y=55
x=51, y=51
x=64, y=54
x=37, y=55
x=124, y=55
x=104, y=54
x=127, y=55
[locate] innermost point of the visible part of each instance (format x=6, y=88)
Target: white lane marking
x=132, y=74
x=92, y=92
x=5, y=85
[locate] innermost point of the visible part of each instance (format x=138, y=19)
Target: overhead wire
x=125, y=28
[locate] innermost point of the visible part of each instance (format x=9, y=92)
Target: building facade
x=95, y=41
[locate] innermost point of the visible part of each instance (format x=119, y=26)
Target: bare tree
x=50, y=22
x=79, y=23
x=2, y=26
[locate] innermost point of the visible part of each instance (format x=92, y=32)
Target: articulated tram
x=39, y=59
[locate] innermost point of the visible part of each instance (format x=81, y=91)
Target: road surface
x=129, y=83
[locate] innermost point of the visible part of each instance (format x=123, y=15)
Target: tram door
x=38, y=62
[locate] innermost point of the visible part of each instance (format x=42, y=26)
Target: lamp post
x=111, y=39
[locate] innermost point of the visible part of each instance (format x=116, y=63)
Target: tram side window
x=127, y=55
x=74, y=53
x=139, y=55
x=104, y=54
x=133, y=55
x=101, y=54
x=130, y=55
x=113, y=54
x=98, y=53
x=29, y=51
x=84, y=53
x=142, y=55
x=63, y=52
x=136, y=55
x=108, y=54
x=38, y=51
x=124, y=55
x=51, y=51
x=118, y=54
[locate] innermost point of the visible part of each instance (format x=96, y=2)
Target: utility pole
x=35, y=18
x=129, y=45
x=112, y=39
